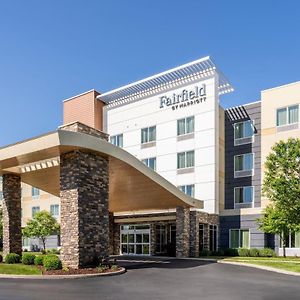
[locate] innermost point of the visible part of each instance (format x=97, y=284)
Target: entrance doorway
x=165, y=239
x=135, y=239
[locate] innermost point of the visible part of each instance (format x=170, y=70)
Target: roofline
x=280, y=86
x=73, y=97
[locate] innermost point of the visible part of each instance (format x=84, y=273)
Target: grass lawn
x=19, y=269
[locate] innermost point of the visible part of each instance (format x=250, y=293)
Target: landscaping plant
x=52, y=262
x=28, y=259
x=12, y=258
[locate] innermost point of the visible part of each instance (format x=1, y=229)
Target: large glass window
x=239, y=238
x=243, y=196
x=117, y=140
x=287, y=115
x=34, y=210
x=35, y=192
x=188, y=189
x=243, y=132
x=150, y=162
x=148, y=134
x=243, y=162
x=185, y=159
x=54, y=210
x=185, y=126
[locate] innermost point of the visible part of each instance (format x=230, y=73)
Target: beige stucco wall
x=272, y=99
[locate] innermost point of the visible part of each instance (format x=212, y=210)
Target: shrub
x=244, y=252
x=28, y=258
x=267, y=252
x=230, y=252
x=38, y=261
x=254, y=252
x=217, y=253
x=52, y=262
x=114, y=268
x=205, y=253
x=55, y=251
x=1, y=258
x=102, y=269
x=12, y=258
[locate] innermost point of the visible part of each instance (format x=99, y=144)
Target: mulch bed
x=76, y=271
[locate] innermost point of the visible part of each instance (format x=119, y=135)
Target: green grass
x=19, y=269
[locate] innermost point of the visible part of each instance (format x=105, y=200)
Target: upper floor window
x=243, y=132
x=287, y=115
x=243, y=165
x=54, y=210
x=188, y=189
x=34, y=210
x=185, y=159
x=185, y=126
x=148, y=134
x=243, y=196
x=35, y=193
x=117, y=140
x=150, y=162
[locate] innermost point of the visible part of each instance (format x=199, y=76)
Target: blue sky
x=52, y=50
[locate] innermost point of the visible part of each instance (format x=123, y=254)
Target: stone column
x=194, y=234
x=84, y=183
x=12, y=231
x=182, y=232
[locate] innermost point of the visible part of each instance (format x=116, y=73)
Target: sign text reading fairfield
x=185, y=98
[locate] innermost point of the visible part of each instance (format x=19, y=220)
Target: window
x=54, y=210
x=243, y=196
x=1, y=195
x=243, y=132
x=150, y=162
x=293, y=239
x=287, y=115
x=213, y=237
x=34, y=210
x=35, y=193
x=148, y=134
x=117, y=140
x=185, y=160
x=188, y=189
x=185, y=126
x=239, y=238
x=243, y=165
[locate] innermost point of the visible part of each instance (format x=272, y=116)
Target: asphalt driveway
x=162, y=279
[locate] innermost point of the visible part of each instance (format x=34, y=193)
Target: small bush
x=217, y=253
x=267, y=252
x=102, y=269
x=28, y=259
x=230, y=252
x=244, y=252
x=205, y=253
x=38, y=261
x=25, y=250
x=43, y=252
x=52, y=262
x=1, y=258
x=12, y=258
x=254, y=252
x=114, y=268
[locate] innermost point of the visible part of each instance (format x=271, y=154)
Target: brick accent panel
x=84, y=181
x=12, y=232
x=182, y=232
x=194, y=234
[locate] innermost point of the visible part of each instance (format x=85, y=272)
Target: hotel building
x=173, y=122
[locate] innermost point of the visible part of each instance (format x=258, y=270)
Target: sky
x=52, y=50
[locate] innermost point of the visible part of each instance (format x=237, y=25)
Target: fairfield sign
x=185, y=98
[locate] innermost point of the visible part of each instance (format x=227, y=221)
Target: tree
x=41, y=226
x=281, y=185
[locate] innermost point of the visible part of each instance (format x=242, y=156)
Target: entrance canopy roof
x=132, y=185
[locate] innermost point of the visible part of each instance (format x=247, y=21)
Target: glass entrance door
x=135, y=239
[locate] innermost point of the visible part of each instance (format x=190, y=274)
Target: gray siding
x=235, y=115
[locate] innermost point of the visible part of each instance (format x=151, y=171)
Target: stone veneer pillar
x=84, y=183
x=194, y=234
x=182, y=232
x=12, y=231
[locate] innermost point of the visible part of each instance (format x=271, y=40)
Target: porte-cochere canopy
x=132, y=185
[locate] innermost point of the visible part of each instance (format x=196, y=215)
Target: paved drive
x=162, y=279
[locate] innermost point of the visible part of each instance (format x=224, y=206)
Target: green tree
x=41, y=226
x=281, y=185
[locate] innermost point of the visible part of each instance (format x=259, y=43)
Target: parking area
x=162, y=278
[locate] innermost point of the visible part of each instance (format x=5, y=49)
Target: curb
x=53, y=277
x=270, y=269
